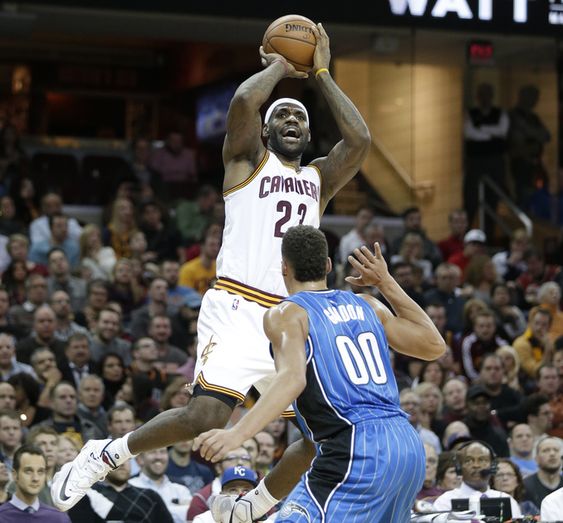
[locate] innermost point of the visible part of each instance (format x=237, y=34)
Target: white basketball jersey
x=258, y=211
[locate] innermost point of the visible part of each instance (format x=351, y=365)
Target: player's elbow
x=434, y=348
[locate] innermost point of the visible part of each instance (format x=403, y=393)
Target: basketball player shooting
x=266, y=191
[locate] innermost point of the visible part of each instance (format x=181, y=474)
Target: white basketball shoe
x=230, y=509
x=75, y=477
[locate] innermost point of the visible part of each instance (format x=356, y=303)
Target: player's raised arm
x=411, y=332
x=346, y=157
x=286, y=325
x=243, y=140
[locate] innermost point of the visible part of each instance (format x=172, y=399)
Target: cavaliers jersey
x=349, y=373
x=258, y=211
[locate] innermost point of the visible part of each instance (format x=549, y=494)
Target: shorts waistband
x=264, y=299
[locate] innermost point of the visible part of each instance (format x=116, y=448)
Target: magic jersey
x=349, y=373
x=258, y=211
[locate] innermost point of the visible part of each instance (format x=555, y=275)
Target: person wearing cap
x=474, y=242
x=235, y=481
x=481, y=423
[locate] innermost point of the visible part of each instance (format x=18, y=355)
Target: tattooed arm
x=346, y=157
x=243, y=148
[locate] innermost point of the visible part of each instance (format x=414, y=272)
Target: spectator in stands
x=36, y=295
x=78, y=364
x=146, y=363
x=61, y=279
x=117, y=234
x=153, y=476
x=90, y=396
x=10, y=435
x=96, y=260
x=112, y=371
x=44, y=363
x=549, y=297
x=538, y=414
x=97, y=294
x=9, y=223
x=13, y=280
x=509, y=479
x=30, y=476
x=27, y=399
x=454, y=391
x=521, y=443
x=355, y=237
x=117, y=500
x=548, y=383
x=169, y=357
x=7, y=324
x=67, y=450
x=503, y=398
x=457, y=220
x=485, y=130
x=163, y=239
x=480, y=341
x=65, y=419
x=403, y=274
x=510, y=263
x=105, y=338
x=176, y=394
x=40, y=230
x=65, y=326
x=147, y=179
x=200, y=272
x=437, y=313
x=43, y=335
x=266, y=451
x=4, y=480
x=157, y=305
x=18, y=249
x=47, y=440
x=472, y=459
x=412, y=251
x=235, y=458
x=511, y=322
x=480, y=276
x=558, y=360
x=447, y=477
x=410, y=403
x=511, y=366
x=526, y=139
x=193, y=217
x=445, y=294
x=480, y=420
x=547, y=479
x=125, y=289
x=534, y=347
x=58, y=225
x=431, y=405
x=9, y=366
x=177, y=294
x=26, y=200
x=474, y=242
x=413, y=223
x=455, y=434
x=185, y=470
x=7, y=396
x=537, y=272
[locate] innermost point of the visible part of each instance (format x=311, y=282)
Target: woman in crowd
x=412, y=251
x=121, y=227
x=511, y=322
x=431, y=404
x=175, y=394
x=96, y=261
x=481, y=275
x=113, y=375
x=125, y=289
x=26, y=200
x=509, y=479
x=67, y=450
x=27, y=396
x=447, y=477
x=511, y=366
x=13, y=279
x=549, y=297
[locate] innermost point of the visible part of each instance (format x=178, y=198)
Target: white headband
x=281, y=101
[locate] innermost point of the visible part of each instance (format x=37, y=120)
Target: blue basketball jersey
x=349, y=373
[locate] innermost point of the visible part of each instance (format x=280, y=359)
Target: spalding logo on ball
x=292, y=37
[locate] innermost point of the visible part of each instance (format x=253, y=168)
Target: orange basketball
x=292, y=37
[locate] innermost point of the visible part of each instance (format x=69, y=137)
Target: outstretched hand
x=371, y=266
x=321, y=58
x=269, y=58
x=214, y=444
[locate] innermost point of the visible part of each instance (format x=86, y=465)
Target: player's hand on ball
x=321, y=58
x=214, y=444
x=371, y=266
x=269, y=58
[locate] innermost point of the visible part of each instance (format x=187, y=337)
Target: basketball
x=292, y=37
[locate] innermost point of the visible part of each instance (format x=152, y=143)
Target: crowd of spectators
x=98, y=335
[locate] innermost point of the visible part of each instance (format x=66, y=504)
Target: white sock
x=262, y=501
x=119, y=450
